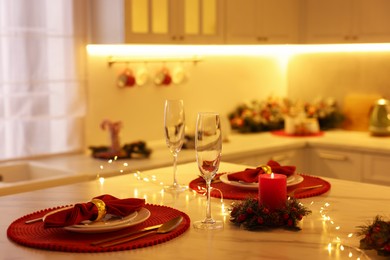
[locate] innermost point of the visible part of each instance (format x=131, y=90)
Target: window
x=42, y=77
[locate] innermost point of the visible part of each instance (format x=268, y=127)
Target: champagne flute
x=208, y=146
x=174, y=124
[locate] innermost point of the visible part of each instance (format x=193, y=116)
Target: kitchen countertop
x=325, y=233
x=85, y=167
x=238, y=145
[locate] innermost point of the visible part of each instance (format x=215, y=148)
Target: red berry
x=249, y=211
x=286, y=216
x=241, y=218
x=260, y=220
x=290, y=222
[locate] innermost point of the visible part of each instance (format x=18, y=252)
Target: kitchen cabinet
x=156, y=21
x=347, y=21
x=336, y=163
x=376, y=168
x=295, y=157
x=262, y=21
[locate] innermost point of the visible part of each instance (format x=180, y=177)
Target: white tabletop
x=346, y=206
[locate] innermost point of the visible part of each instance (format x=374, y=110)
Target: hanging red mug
x=126, y=79
x=163, y=77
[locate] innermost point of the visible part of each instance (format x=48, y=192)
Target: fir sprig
x=252, y=216
x=376, y=236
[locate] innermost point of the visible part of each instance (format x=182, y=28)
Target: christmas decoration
x=270, y=114
x=252, y=216
x=133, y=150
x=376, y=236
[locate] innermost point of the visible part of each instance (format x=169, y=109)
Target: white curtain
x=42, y=77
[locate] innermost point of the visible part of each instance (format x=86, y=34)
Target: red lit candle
x=273, y=190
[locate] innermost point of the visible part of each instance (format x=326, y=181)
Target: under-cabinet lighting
x=155, y=50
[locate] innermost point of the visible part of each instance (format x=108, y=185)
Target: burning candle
x=273, y=190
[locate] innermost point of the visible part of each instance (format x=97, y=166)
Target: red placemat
x=58, y=239
x=283, y=133
x=235, y=193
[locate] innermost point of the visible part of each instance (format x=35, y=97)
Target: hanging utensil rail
x=113, y=59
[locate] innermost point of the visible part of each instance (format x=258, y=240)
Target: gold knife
x=125, y=235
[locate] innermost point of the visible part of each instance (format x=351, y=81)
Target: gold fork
x=292, y=193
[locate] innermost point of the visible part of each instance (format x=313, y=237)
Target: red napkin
x=88, y=211
x=251, y=175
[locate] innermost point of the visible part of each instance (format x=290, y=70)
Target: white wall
x=215, y=84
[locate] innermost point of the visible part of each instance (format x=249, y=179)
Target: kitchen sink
x=26, y=171
x=27, y=176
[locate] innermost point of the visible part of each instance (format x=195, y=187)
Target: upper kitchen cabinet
x=262, y=21
x=157, y=21
x=347, y=21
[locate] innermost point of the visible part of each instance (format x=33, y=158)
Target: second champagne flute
x=174, y=126
x=208, y=146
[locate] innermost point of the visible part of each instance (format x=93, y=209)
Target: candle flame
x=272, y=175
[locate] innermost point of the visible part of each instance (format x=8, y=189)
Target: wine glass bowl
x=174, y=129
x=208, y=147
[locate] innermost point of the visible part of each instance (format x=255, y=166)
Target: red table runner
x=235, y=193
x=59, y=239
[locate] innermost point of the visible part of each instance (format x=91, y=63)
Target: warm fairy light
x=136, y=193
x=110, y=161
x=330, y=248
x=101, y=167
x=101, y=180
x=125, y=164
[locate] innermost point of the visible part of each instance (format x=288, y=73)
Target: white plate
x=142, y=215
x=291, y=180
x=108, y=221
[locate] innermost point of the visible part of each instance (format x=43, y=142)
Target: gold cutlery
x=164, y=228
x=292, y=193
x=47, y=214
x=125, y=235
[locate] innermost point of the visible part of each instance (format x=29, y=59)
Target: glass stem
x=174, y=169
x=208, y=219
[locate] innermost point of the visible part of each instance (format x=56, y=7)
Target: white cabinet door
x=262, y=21
x=174, y=21
x=337, y=164
x=328, y=20
x=198, y=21
x=373, y=21
x=377, y=168
x=156, y=21
x=347, y=21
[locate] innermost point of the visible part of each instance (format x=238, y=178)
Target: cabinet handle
x=336, y=157
x=262, y=39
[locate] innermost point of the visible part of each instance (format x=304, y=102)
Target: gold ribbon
x=101, y=206
x=266, y=168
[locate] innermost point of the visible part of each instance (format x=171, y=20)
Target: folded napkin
x=89, y=211
x=251, y=175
